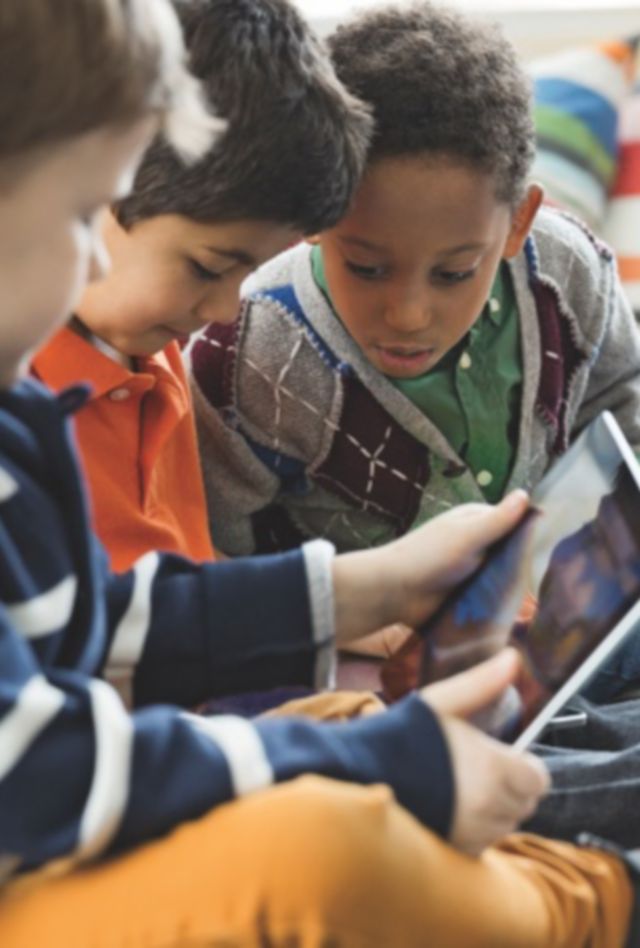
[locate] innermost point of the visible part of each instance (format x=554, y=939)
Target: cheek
x=352, y=308
x=469, y=306
x=152, y=302
x=67, y=270
x=355, y=302
x=470, y=302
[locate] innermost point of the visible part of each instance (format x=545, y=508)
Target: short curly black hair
x=296, y=142
x=440, y=83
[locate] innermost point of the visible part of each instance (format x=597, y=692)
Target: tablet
x=563, y=586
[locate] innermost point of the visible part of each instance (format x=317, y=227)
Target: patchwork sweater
x=302, y=437
x=79, y=775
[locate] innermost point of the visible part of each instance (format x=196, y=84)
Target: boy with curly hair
x=444, y=342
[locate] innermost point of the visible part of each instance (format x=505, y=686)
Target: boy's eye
x=365, y=273
x=450, y=277
x=202, y=272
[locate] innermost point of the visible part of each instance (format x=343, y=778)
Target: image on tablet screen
x=555, y=616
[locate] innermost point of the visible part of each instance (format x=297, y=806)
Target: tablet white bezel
x=613, y=639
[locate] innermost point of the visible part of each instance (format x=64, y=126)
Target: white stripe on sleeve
x=47, y=613
x=109, y=791
x=131, y=633
x=37, y=704
x=241, y=745
x=8, y=487
x=318, y=559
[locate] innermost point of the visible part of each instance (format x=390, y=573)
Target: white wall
x=534, y=26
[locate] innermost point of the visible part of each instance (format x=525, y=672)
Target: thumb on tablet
x=470, y=691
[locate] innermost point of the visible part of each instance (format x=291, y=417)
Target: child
x=180, y=245
x=82, y=779
x=443, y=343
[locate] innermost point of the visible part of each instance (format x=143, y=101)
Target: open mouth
x=406, y=357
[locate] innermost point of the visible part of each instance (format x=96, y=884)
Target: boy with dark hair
x=444, y=342
x=180, y=245
x=296, y=139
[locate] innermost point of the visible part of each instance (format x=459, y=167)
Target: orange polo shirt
x=137, y=441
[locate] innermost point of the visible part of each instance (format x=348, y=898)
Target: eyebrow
x=240, y=256
x=447, y=252
x=461, y=248
x=360, y=242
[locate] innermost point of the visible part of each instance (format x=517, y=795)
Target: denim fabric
x=596, y=776
x=620, y=673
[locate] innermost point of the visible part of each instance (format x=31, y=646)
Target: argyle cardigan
x=301, y=437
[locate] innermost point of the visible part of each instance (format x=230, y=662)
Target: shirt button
x=494, y=304
x=119, y=394
x=484, y=478
x=465, y=361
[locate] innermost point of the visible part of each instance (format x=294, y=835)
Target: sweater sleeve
x=81, y=778
x=268, y=393
x=181, y=633
x=614, y=378
x=239, y=482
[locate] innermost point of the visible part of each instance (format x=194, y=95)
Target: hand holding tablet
x=577, y=553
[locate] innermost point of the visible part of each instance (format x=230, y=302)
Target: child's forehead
x=398, y=176
x=439, y=199
x=181, y=225
x=247, y=240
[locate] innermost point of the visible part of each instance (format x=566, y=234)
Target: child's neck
x=77, y=326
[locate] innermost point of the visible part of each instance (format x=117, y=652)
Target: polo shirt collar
x=58, y=360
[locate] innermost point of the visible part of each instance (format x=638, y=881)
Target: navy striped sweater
x=80, y=776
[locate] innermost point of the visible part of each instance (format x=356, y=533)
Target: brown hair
x=296, y=141
x=68, y=67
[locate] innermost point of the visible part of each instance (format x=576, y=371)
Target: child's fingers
x=496, y=788
x=491, y=523
x=464, y=694
x=532, y=780
x=381, y=644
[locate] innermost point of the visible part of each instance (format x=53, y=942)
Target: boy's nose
x=221, y=304
x=217, y=311
x=409, y=314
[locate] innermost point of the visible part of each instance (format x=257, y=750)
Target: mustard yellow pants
x=316, y=863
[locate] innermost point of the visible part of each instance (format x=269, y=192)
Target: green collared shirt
x=473, y=394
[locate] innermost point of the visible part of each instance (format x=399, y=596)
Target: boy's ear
x=522, y=221
x=313, y=239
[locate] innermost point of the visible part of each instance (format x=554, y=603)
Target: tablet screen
x=557, y=586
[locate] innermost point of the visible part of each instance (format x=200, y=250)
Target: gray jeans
x=596, y=776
